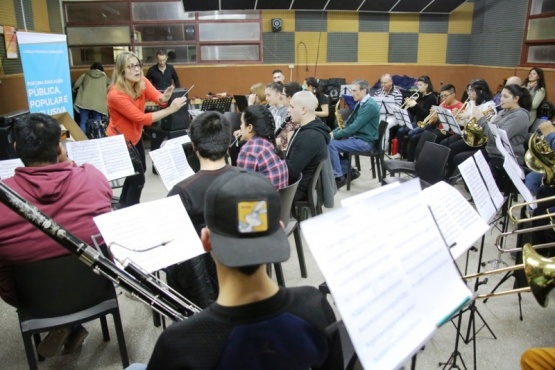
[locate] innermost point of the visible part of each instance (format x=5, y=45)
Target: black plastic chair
x=291, y=227
x=375, y=154
x=430, y=166
x=61, y=292
x=313, y=204
x=396, y=166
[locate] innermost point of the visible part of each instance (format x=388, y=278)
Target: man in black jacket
x=309, y=144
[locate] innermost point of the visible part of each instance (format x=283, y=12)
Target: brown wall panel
x=236, y=79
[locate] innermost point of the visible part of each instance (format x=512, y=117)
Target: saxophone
x=338, y=116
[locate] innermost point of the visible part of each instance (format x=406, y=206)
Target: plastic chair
x=61, y=292
x=375, y=154
x=429, y=167
x=394, y=166
x=291, y=227
x=313, y=204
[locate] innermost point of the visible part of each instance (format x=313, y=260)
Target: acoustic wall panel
x=432, y=48
x=404, y=23
x=311, y=21
x=458, y=47
x=460, y=21
x=434, y=23
x=279, y=47
x=343, y=21
x=342, y=47
x=403, y=48
x=373, y=47
x=373, y=22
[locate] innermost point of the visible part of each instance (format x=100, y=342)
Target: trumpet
x=426, y=121
x=462, y=110
x=539, y=271
x=412, y=97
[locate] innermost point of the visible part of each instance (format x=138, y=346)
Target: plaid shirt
x=258, y=155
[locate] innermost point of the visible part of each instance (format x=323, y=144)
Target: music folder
x=394, y=283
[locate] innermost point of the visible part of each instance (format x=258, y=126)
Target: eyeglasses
x=444, y=96
x=133, y=66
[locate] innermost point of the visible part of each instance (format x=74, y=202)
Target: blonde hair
x=260, y=90
x=118, y=76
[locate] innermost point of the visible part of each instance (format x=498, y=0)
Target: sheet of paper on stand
x=504, y=146
x=445, y=116
x=180, y=140
x=385, y=282
x=154, y=235
x=109, y=155
x=402, y=117
x=493, y=190
x=459, y=223
x=374, y=193
x=171, y=164
x=472, y=175
x=8, y=166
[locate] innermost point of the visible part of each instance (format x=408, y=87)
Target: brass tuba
x=338, y=116
x=540, y=158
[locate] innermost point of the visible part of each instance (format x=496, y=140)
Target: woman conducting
x=126, y=105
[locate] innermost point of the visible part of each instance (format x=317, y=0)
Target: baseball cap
x=242, y=211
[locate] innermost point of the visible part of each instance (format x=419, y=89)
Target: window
x=99, y=30
x=539, y=38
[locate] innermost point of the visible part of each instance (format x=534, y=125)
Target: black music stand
x=221, y=105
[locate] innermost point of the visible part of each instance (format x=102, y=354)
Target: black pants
x=458, y=146
x=133, y=185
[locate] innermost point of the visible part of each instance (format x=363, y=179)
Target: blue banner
x=46, y=72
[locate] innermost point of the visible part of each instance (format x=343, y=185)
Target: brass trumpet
x=461, y=110
x=412, y=97
x=426, y=121
x=539, y=271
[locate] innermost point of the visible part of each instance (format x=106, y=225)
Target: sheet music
x=478, y=190
x=145, y=225
x=514, y=175
x=109, y=155
x=8, y=166
x=374, y=193
x=493, y=190
x=503, y=144
x=458, y=222
x=445, y=116
x=384, y=281
x=171, y=164
x=402, y=117
x=180, y=140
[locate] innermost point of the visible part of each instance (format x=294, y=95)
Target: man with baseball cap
x=254, y=324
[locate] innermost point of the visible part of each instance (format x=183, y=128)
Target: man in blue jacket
x=360, y=133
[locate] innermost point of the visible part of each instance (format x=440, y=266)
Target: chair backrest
x=58, y=286
x=382, y=128
x=430, y=166
x=234, y=119
x=287, y=195
x=315, y=182
x=426, y=136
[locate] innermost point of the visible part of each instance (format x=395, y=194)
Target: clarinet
x=133, y=279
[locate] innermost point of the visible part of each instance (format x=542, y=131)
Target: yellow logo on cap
x=252, y=216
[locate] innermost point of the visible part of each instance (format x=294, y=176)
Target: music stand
x=445, y=116
x=387, y=104
x=402, y=117
x=221, y=105
x=241, y=101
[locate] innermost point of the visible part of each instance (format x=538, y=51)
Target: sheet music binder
x=221, y=105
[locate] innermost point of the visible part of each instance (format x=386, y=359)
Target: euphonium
x=540, y=158
x=338, y=116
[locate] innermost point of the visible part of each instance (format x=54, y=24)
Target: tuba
x=338, y=116
x=540, y=158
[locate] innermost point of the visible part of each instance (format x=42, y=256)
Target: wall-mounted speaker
x=276, y=24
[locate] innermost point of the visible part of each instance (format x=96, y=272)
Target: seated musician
x=389, y=90
x=72, y=195
x=196, y=278
x=285, y=132
x=254, y=324
x=274, y=97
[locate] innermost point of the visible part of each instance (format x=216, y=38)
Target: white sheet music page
x=477, y=189
x=509, y=166
x=8, y=166
x=109, y=155
x=386, y=282
x=491, y=185
x=504, y=146
x=458, y=222
x=180, y=140
x=171, y=164
x=162, y=223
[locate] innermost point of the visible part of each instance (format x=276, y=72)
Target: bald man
x=309, y=144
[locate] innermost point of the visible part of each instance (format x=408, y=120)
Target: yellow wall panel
x=7, y=14
x=310, y=39
x=404, y=23
x=40, y=16
x=373, y=47
x=460, y=21
x=287, y=20
x=432, y=48
x=343, y=21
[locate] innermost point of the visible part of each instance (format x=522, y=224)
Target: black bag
x=95, y=129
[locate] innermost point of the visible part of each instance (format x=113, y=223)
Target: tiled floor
x=502, y=315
